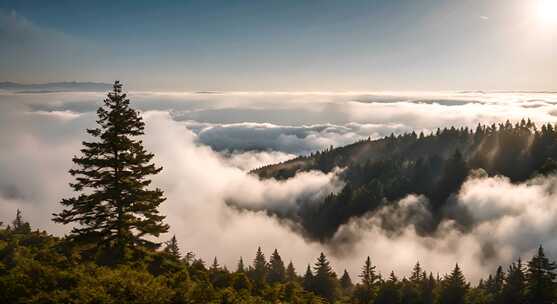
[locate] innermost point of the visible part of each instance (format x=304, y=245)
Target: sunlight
x=547, y=12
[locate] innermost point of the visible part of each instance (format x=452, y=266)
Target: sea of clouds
x=206, y=143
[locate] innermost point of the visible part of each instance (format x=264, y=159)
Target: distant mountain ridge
x=381, y=172
x=66, y=86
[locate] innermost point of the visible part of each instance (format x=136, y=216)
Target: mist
x=202, y=176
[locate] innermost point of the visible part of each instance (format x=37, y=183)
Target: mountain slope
x=383, y=171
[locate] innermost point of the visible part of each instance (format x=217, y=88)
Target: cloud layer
x=205, y=165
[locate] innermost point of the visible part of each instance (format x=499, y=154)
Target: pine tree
x=172, y=248
x=325, y=279
x=307, y=282
x=215, y=266
x=369, y=277
x=540, y=288
x=389, y=292
x=291, y=275
x=416, y=276
x=345, y=281
x=454, y=287
x=497, y=286
x=277, y=272
x=240, y=267
x=259, y=273
x=118, y=211
x=19, y=225
x=515, y=284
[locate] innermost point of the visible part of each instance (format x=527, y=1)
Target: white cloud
x=41, y=132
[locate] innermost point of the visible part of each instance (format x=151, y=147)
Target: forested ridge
x=36, y=267
x=381, y=172
x=114, y=253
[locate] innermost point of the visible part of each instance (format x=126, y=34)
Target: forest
x=113, y=252
x=36, y=267
x=381, y=172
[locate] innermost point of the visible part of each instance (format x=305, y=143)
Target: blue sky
x=281, y=45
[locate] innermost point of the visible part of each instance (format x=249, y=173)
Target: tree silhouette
x=114, y=207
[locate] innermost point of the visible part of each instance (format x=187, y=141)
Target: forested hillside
x=114, y=252
x=380, y=172
x=36, y=267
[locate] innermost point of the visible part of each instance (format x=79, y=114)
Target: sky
x=288, y=78
x=283, y=45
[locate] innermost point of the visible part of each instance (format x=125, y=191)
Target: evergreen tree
x=345, y=281
x=365, y=293
x=307, y=282
x=325, y=284
x=540, y=287
x=19, y=225
x=215, y=266
x=118, y=210
x=389, y=292
x=291, y=275
x=454, y=288
x=172, y=248
x=496, y=288
x=416, y=275
x=259, y=273
x=515, y=285
x=240, y=267
x=277, y=272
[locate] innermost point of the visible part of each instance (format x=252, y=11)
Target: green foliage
x=381, y=172
x=541, y=279
x=114, y=208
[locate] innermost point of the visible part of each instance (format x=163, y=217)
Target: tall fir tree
x=115, y=208
x=540, y=276
x=19, y=225
x=454, y=288
x=325, y=281
x=308, y=279
x=277, y=271
x=515, y=284
x=259, y=272
x=389, y=292
x=346, y=282
x=367, y=290
x=172, y=248
x=241, y=267
x=291, y=275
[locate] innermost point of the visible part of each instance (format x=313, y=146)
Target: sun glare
x=547, y=12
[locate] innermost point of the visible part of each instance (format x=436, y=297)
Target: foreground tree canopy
x=110, y=255
x=36, y=267
x=118, y=211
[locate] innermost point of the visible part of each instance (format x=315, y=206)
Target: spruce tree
x=416, y=276
x=454, y=287
x=346, y=282
x=389, y=292
x=515, y=284
x=540, y=276
x=259, y=273
x=325, y=283
x=114, y=209
x=240, y=268
x=291, y=275
x=308, y=280
x=277, y=272
x=172, y=248
x=19, y=225
x=370, y=279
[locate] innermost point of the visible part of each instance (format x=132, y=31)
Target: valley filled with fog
x=207, y=142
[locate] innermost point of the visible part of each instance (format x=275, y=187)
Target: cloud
x=298, y=140
x=40, y=134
